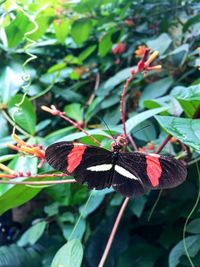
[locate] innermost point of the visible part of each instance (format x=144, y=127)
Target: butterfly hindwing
x=87, y=164
x=152, y=170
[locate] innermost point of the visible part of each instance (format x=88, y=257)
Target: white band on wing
x=100, y=168
x=124, y=172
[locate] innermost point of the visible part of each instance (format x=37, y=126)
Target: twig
x=163, y=144
x=95, y=89
x=16, y=175
x=132, y=142
x=56, y=112
x=112, y=235
x=67, y=181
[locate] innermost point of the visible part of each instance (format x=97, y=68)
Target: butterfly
x=129, y=173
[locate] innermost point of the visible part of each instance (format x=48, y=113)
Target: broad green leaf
x=137, y=205
x=10, y=82
x=190, y=22
x=174, y=108
x=179, y=55
x=105, y=45
x=81, y=30
x=94, y=201
x=186, y=130
x=87, y=52
x=74, y=111
x=62, y=29
x=16, y=196
x=43, y=24
x=189, y=98
x=15, y=256
x=33, y=234
x=156, y=89
x=137, y=119
x=161, y=43
x=17, y=28
x=69, y=255
x=54, y=136
x=140, y=255
x=74, y=232
x=110, y=84
x=52, y=209
x=193, y=247
x=75, y=136
x=25, y=115
x=193, y=226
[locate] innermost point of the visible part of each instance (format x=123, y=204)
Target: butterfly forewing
x=89, y=164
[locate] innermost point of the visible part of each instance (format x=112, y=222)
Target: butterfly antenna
x=107, y=127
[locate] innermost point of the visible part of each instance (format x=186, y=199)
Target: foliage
x=85, y=51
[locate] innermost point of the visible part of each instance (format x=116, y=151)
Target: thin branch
x=95, y=89
x=14, y=124
x=16, y=175
x=112, y=235
x=56, y=112
x=67, y=181
x=163, y=144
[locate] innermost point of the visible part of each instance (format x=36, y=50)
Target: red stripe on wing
x=154, y=169
x=74, y=157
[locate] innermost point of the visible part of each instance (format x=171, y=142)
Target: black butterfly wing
x=147, y=171
x=87, y=164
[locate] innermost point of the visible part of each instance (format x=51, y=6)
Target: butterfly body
x=129, y=173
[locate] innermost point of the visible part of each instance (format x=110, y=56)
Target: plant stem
x=67, y=181
x=163, y=144
x=112, y=235
x=14, y=124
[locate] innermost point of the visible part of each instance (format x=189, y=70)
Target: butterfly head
x=119, y=143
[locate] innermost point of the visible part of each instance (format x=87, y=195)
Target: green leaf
x=161, y=43
x=62, y=29
x=190, y=22
x=105, y=45
x=140, y=255
x=54, y=136
x=87, y=52
x=74, y=111
x=69, y=255
x=81, y=30
x=193, y=247
x=74, y=231
x=137, y=119
x=179, y=55
x=193, y=226
x=10, y=82
x=17, y=28
x=43, y=24
x=75, y=136
x=145, y=131
x=110, y=84
x=94, y=201
x=16, y=196
x=33, y=234
x=174, y=108
x=25, y=116
x=137, y=205
x=186, y=130
x=189, y=98
x=156, y=89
